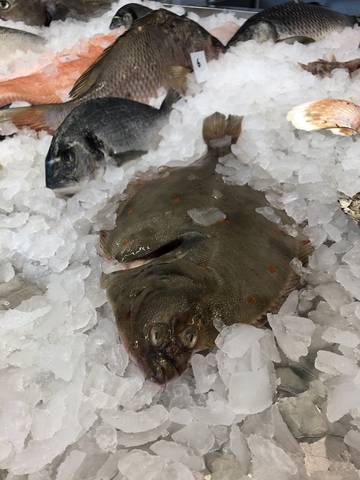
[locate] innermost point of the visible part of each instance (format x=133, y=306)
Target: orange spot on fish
x=130, y=212
x=251, y=300
x=276, y=230
x=125, y=242
x=254, y=245
x=305, y=242
x=224, y=221
x=275, y=238
x=159, y=304
x=176, y=200
x=271, y=269
x=204, y=265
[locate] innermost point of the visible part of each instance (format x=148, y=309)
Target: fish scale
x=236, y=269
x=300, y=21
x=154, y=53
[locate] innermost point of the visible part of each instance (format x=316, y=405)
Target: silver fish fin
x=172, y=97
x=119, y=158
x=300, y=38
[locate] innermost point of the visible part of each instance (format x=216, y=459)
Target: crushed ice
x=71, y=403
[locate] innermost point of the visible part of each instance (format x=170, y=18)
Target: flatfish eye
x=4, y=5
x=189, y=337
x=157, y=334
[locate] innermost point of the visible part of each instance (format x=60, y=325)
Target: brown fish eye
x=4, y=5
x=189, y=337
x=157, y=335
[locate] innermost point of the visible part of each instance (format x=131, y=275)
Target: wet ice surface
x=71, y=403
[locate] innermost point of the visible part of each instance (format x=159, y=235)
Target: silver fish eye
x=5, y=5
x=157, y=334
x=67, y=157
x=189, y=337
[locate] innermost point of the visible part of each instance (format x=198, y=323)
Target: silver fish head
x=71, y=165
x=260, y=32
x=32, y=12
x=158, y=318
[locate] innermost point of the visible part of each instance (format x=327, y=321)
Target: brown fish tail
x=38, y=117
x=217, y=126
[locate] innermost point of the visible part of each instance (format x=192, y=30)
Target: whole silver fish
x=12, y=39
x=195, y=251
x=291, y=21
x=43, y=12
x=100, y=129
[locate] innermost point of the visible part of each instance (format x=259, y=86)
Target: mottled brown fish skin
x=138, y=63
x=134, y=67
x=236, y=270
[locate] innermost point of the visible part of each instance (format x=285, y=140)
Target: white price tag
x=200, y=66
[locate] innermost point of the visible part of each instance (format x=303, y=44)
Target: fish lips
x=161, y=366
x=61, y=184
x=158, y=365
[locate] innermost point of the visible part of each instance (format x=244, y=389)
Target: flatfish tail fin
x=220, y=132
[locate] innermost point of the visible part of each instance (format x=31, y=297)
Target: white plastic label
x=200, y=66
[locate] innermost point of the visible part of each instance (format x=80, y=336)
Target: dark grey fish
x=43, y=12
x=100, y=129
x=127, y=15
x=32, y=12
x=303, y=22
x=195, y=251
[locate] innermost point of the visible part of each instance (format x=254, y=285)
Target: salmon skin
x=293, y=21
x=154, y=53
x=52, y=82
x=195, y=251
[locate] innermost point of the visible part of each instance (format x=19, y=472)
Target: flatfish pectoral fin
x=174, y=248
x=304, y=251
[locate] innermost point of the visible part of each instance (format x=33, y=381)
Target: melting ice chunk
x=206, y=216
x=268, y=213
